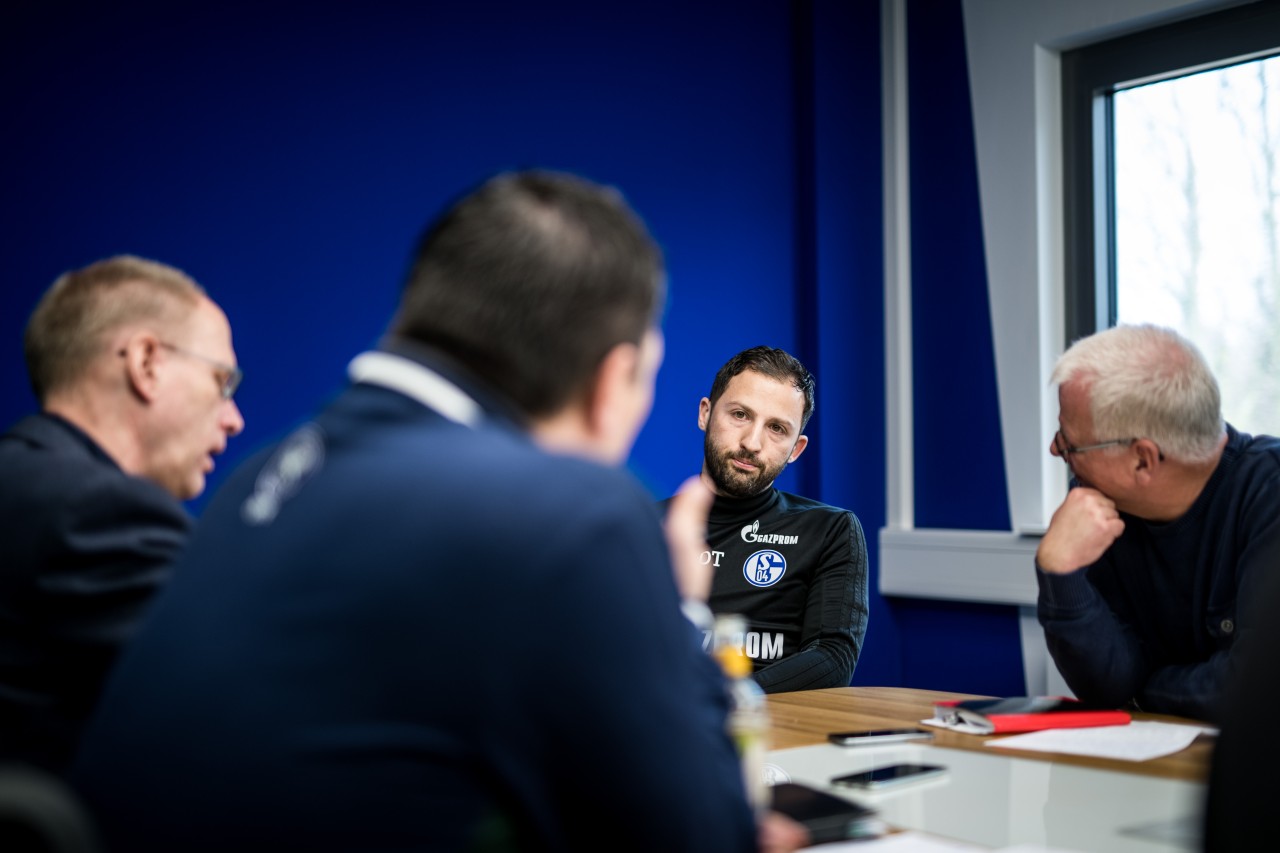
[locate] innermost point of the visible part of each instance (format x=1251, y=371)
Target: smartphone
x=878, y=736
x=891, y=776
x=826, y=816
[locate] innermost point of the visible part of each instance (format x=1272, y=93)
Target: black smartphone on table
x=890, y=776
x=826, y=816
x=877, y=736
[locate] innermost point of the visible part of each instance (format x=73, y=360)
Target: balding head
x=75, y=320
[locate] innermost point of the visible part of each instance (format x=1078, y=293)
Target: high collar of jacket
x=729, y=507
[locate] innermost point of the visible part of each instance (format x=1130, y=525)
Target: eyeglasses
x=230, y=374
x=1065, y=450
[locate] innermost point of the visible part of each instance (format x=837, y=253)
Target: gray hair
x=1147, y=381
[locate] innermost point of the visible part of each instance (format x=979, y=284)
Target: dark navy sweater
x=1159, y=620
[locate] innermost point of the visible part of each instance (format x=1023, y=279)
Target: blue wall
x=959, y=462
x=287, y=156
x=847, y=329
x=288, y=160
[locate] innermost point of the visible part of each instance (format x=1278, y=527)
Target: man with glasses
x=133, y=369
x=1172, y=520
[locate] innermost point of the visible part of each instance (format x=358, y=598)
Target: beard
x=729, y=480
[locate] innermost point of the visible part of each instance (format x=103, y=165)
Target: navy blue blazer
x=397, y=632
x=83, y=548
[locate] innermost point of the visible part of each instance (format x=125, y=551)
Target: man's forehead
x=758, y=391
x=1073, y=398
x=1074, y=415
x=207, y=319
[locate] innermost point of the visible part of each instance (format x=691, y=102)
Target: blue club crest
x=764, y=568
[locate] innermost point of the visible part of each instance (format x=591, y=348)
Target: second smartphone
x=882, y=778
x=871, y=736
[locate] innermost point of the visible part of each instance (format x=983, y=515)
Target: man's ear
x=1149, y=459
x=141, y=353
x=704, y=413
x=608, y=399
x=801, y=443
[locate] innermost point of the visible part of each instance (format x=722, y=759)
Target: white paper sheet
x=921, y=842
x=902, y=842
x=1141, y=740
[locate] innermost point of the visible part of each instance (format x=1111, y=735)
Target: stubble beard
x=729, y=480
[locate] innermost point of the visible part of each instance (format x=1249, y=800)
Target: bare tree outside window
x=1197, y=196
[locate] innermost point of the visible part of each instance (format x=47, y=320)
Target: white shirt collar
x=417, y=382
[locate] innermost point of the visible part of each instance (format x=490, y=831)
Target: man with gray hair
x=133, y=369
x=1172, y=519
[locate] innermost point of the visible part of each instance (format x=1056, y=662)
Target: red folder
x=1027, y=714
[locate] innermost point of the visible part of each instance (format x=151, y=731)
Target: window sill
x=990, y=567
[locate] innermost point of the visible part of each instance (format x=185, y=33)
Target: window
x=1197, y=218
x=1172, y=183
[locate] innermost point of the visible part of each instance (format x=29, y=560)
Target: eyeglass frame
x=1065, y=450
x=234, y=375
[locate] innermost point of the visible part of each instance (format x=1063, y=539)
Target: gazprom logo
x=751, y=533
x=764, y=568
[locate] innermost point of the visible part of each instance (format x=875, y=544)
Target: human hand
x=1080, y=532
x=780, y=834
x=686, y=529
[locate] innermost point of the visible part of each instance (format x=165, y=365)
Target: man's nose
x=232, y=420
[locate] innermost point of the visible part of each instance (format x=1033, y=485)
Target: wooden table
x=805, y=717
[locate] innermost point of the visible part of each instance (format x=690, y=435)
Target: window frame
x=1091, y=75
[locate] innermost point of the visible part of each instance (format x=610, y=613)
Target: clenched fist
x=1080, y=532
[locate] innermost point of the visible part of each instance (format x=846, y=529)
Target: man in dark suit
x=439, y=616
x=133, y=368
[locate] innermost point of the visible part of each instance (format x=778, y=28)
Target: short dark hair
x=70, y=324
x=772, y=362
x=529, y=281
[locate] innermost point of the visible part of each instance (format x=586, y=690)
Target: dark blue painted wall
x=287, y=155
x=959, y=462
x=847, y=331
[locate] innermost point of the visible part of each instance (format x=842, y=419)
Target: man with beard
x=1172, y=522
x=794, y=567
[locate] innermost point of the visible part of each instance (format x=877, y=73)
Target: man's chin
x=193, y=488
x=739, y=488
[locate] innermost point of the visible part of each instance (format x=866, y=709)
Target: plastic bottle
x=748, y=721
